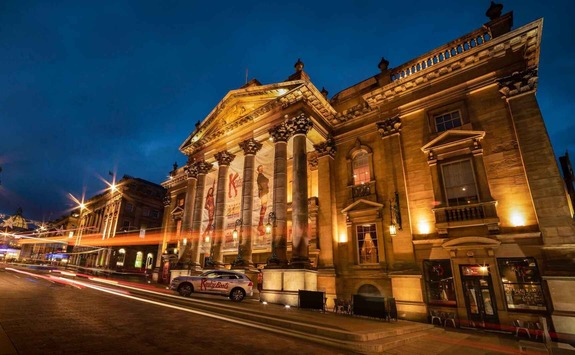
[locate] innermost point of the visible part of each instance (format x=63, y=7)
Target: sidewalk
x=347, y=332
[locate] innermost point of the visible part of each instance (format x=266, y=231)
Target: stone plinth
x=408, y=294
x=281, y=286
x=562, y=292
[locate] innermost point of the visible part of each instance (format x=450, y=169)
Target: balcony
x=364, y=191
x=484, y=213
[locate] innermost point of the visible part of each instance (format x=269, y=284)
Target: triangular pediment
x=362, y=205
x=453, y=138
x=177, y=211
x=237, y=105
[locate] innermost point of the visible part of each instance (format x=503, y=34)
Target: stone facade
x=433, y=182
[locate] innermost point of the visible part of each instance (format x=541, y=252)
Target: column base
x=300, y=263
x=242, y=264
x=276, y=263
x=281, y=286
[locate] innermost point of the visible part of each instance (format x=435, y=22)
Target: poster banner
x=209, y=211
x=263, y=199
x=232, y=211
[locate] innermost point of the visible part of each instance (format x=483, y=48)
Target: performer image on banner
x=263, y=192
x=210, y=207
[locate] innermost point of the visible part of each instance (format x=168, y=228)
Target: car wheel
x=237, y=295
x=186, y=289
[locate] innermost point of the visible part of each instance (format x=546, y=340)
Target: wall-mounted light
x=517, y=219
x=423, y=227
x=342, y=237
x=236, y=233
x=395, y=215
x=185, y=241
x=271, y=222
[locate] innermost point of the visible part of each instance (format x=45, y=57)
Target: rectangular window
x=155, y=214
x=459, y=183
x=367, y=244
x=129, y=207
x=522, y=284
x=126, y=225
x=447, y=121
x=439, y=281
x=145, y=211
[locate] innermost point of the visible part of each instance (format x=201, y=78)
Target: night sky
x=92, y=87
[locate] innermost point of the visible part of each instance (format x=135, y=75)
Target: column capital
x=224, y=157
x=389, y=126
x=300, y=124
x=191, y=171
x=280, y=133
x=203, y=167
x=326, y=148
x=518, y=83
x=250, y=146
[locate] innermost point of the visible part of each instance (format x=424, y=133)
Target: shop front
x=482, y=285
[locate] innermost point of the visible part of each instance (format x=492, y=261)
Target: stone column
x=224, y=159
x=192, y=176
x=326, y=196
x=280, y=135
x=202, y=168
x=165, y=230
x=244, y=258
x=299, y=126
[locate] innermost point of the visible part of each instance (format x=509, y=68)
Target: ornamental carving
x=191, y=171
x=389, y=126
x=280, y=133
x=224, y=157
x=203, y=167
x=250, y=146
x=518, y=83
x=167, y=200
x=300, y=124
x=326, y=148
x=312, y=162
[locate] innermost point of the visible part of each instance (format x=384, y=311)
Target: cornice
x=455, y=56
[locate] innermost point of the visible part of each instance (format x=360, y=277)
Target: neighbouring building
x=119, y=229
x=433, y=182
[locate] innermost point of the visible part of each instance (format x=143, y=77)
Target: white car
x=233, y=284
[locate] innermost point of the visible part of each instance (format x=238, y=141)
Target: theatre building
x=433, y=182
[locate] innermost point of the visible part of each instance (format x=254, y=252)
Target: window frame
x=428, y=268
x=521, y=285
x=443, y=164
x=365, y=156
x=373, y=230
x=451, y=119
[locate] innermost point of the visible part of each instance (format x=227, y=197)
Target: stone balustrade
x=452, y=49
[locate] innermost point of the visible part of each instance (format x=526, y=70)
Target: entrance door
x=479, y=296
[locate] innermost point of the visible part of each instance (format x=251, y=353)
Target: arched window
x=149, y=260
x=360, y=167
x=368, y=290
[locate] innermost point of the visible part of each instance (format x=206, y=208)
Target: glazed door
x=479, y=298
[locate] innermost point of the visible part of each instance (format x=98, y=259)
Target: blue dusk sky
x=89, y=87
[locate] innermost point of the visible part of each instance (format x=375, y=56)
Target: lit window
x=367, y=244
x=139, y=257
x=447, y=121
x=360, y=165
x=121, y=257
x=439, y=281
x=459, y=182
